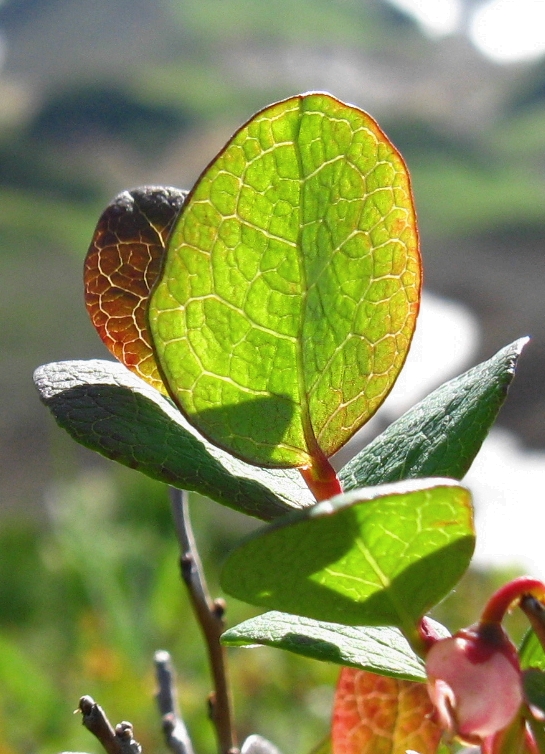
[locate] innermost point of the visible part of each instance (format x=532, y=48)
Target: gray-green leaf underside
x=105, y=408
x=382, y=650
x=442, y=434
x=108, y=409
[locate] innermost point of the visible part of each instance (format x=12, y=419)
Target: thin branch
x=115, y=741
x=176, y=735
x=209, y=615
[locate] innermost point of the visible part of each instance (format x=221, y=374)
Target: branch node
x=211, y=704
x=219, y=608
x=124, y=730
x=187, y=567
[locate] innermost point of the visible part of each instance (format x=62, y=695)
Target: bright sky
x=507, y=31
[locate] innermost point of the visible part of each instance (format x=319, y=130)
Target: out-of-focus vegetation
x=100, y=97
x=87, y=600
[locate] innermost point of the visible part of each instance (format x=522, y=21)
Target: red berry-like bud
x=474, y=682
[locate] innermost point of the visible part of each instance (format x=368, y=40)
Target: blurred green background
x=100, y=96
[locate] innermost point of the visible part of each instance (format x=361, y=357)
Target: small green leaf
x=291, y=284
x=380, y=556
x=441, y=435
x=382, y=650
x=106, y=408
x=531, y=653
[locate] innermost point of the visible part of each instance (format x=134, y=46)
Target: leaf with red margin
x=374, y=714
x=291, y=285
x=121, y=266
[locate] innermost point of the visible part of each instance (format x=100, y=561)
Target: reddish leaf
x=122, y=265
x=374, y=714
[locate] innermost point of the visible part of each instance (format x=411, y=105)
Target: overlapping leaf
x=291, y=284
x=381, y=650
x=381, y=556
x=105, y=407
x=122, y=265
x=443, y=433
x=373, y=713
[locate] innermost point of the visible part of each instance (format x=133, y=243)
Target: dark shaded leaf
x=106, y=408
x=443, y=433
x=382, y=650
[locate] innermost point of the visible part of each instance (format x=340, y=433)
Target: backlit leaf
x=291, y=284
x=373, y=714
x=381, y=556
x=122, y=265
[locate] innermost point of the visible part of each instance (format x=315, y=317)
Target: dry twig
x=209, y=614
x=176, y=735
x=115, y=741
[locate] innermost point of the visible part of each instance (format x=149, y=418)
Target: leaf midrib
x=406, y=621
x=313, y=448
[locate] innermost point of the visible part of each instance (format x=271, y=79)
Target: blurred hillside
x=104, y=96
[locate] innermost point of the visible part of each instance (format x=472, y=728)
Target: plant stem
x=209, y=614
x=176, y=735
x=509, y=595
x=321, y=479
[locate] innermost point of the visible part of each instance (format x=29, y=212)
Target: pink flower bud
x=474, y=681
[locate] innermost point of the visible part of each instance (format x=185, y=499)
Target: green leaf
x=381, y=556
x=531, y=653
x=441, y=435
x=382, y=650
x=107, y=408
x=290, y=289
x=533, y=682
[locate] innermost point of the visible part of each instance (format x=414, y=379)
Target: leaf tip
x=519, y=344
